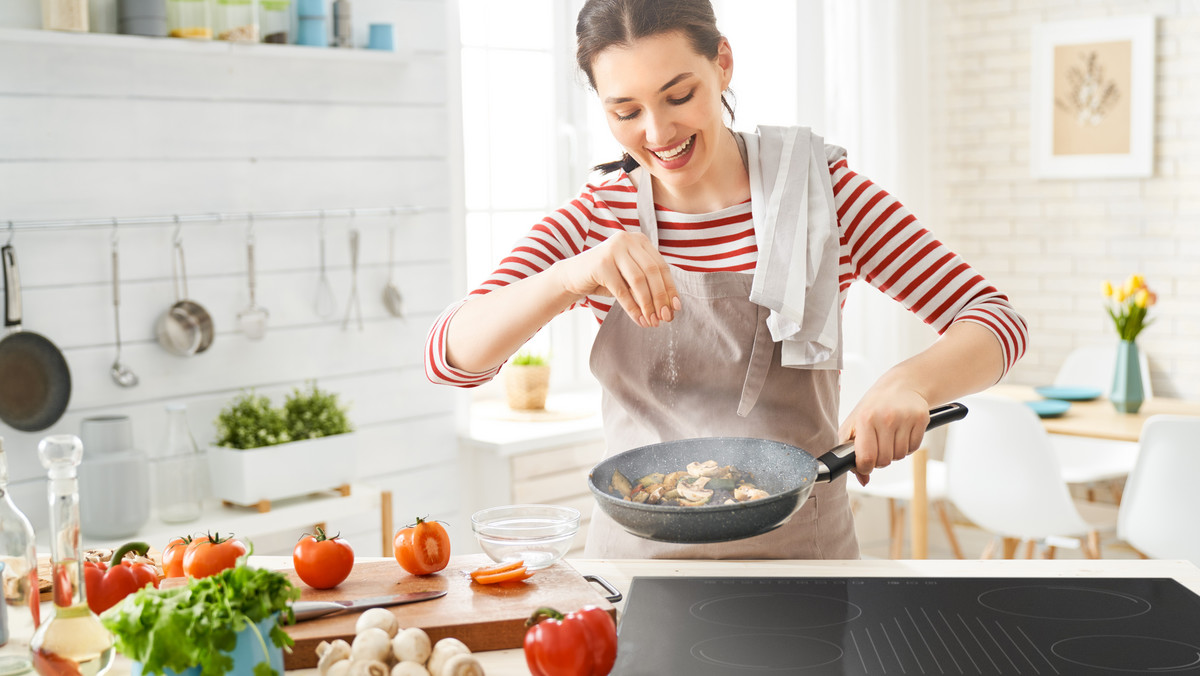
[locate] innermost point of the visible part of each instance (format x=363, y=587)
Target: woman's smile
x=674, y=157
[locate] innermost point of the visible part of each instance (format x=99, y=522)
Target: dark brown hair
x=605, y=23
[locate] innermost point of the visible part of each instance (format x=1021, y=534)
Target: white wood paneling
x=97, y=126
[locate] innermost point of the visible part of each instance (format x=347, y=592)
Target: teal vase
x=1127, y=394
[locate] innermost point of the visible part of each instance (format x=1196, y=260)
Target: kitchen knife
x=307, y=610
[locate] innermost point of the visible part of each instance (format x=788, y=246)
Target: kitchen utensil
x=253, y=319
x=353, y=303
x=539, y=535
x=786, y=472
x=311, y=610
x=186, y=328
x=393, y=300
x=325, y=304
x=35, y=382
x=121, y=374
x=485, y=617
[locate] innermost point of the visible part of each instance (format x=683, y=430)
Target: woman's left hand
x=887, y=424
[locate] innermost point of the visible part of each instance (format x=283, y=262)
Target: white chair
x=1161, y=505
x=894, y=482
x=1003, y=475
x=1092, y=462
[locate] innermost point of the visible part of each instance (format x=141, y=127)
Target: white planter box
x=249, y=477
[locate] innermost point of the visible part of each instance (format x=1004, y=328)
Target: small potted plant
x=526, y=381
x=264, y=453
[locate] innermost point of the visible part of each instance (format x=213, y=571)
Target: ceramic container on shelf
x=381, y=36
x=1127, y=392
x=310, y=29
x=65, y=15
x=114, y=480
x=235, y=20
x=275, y=21
x=189, y=19
x=142, y=17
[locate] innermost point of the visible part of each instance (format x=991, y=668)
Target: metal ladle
x=393, y=300
x=325, y=304
x=121, y=374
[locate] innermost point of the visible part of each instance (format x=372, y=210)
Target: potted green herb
x=527, y=381
x=225, y=623
x=310, y=435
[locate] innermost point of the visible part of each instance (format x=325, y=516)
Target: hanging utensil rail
x=10, y=225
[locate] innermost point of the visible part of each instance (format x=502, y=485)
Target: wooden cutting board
x=485, y=617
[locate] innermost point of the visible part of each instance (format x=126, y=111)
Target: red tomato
x=582, y=643
x=323, y=562
x=173, y=556
x=210, y=554
x=422, y=548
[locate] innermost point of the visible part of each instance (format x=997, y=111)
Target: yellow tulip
x=1136, y=282
x=1108, y=289
x=1142, y=299
x=1120, y=295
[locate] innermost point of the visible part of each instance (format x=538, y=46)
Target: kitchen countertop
x=621, y=572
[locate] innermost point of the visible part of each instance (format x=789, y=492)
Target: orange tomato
x=173, y=556
x=422, y=548
x=323, y=562
x=210, y=554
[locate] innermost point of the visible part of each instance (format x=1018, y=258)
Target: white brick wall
x=1050, y=243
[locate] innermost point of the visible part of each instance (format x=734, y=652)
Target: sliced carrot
x=514, y=575
x=497, y=568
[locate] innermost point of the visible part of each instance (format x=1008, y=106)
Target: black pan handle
x=840, y=459
x=12, y=287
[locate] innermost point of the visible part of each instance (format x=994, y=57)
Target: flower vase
x=1127, y=394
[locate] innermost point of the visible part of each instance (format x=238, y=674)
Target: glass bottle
x=17, y=547
x=177, y=471
x=275, y=20
x=72, y=641
x=235, y=20
x=189, y=19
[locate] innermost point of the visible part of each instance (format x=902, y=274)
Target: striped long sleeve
x=881, y=243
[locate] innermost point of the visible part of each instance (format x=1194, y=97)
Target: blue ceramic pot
x=246, y=654
x=1127, y=394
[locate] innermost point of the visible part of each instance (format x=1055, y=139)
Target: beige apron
x=715, y=371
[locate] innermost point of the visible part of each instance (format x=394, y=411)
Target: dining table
x=1096, y=418
x=620, y=573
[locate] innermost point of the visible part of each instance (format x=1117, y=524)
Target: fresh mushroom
x=341, y=668
x=443, y=650
x=464, y=664
x=372, y=645
x=412, y=645
x=368, y=668
x=329, y=654
x=380, y=618
x=409, y=669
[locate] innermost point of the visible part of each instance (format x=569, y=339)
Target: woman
x=729, y=256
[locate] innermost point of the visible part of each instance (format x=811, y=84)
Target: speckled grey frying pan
x=35, y=383
x=786, y=472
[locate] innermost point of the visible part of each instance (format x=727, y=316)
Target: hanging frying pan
x=35, y=383
x=786, y=472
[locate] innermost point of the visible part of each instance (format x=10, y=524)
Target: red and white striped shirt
x=881, y=243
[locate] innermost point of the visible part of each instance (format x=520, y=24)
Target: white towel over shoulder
x=795, y=225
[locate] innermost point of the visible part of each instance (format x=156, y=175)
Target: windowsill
x=569, y=418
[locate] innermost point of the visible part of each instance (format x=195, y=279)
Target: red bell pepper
x=108, y=583
x=582, y=643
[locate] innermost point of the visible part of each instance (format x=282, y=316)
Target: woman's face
x=662, y=101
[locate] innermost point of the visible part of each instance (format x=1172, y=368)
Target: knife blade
x=308, y=610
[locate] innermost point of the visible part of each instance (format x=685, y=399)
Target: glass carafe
x=189, y=19
x=17, y=550
x=178, y=474
x=275, y=21
x=235, y=20
x=72, y=641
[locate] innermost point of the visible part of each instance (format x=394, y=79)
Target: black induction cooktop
x=689, y=626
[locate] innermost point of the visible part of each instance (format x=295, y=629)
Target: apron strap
x=760, y=363
x=645, y=205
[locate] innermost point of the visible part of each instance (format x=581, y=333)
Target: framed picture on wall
x=1092, y=97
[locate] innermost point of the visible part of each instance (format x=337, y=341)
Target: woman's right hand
x=628, y=268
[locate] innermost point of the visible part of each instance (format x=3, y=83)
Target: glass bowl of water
x=539, y=535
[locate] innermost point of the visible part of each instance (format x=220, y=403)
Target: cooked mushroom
x=706, y=468
x=672, y=479
x=747, y=492
x=693, y=492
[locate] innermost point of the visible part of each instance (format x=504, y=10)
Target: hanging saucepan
x=35, y=383
x=185, y=328
x=787, y=473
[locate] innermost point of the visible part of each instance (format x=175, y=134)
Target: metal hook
x=12, y=230
x=115, y=237
x=178, y=230
x=321, y=221
x=250, y=227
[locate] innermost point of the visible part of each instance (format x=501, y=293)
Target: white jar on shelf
x=235, y=20
x=189, y=19
x=65, y=15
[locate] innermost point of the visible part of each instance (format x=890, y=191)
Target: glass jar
x=235, y=20
x=189, y=19
x=275, y=21
x=178, y=473
x=65, y=15
x=17, y=550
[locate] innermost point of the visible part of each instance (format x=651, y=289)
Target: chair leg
x=990, y=550
x=1010, y=547
x=1117, y=488
x=896, y=521
x=1049, y=552
x=1029, y=547
x=1091, y=549
x=945, y=517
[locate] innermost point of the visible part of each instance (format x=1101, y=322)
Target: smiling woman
x=729, y=255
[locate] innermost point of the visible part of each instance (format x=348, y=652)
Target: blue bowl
x=247, y=653
x=1049, y=408
x=1067, y=393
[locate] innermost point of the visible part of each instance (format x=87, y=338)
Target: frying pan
x=35, y=383
x=786, y=472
